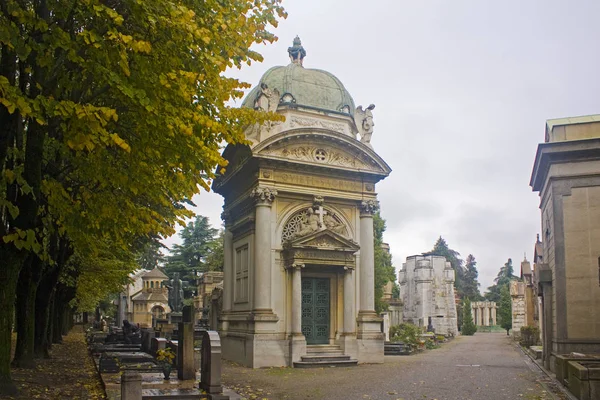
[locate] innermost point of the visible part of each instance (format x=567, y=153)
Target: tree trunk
x=25, y=312
x=57, y=319
x=42, y=317
x=9, y=275
x=51, y=316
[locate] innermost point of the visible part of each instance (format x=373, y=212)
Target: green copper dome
x=301, y=86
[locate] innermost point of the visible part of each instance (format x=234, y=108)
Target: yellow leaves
x=120, y=142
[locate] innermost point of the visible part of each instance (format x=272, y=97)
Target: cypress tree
x=468, y=326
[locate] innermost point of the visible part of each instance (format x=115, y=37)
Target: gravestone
x=210, y=377
x=131, y=386
x=185, y=350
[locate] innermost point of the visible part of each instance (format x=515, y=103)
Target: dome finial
x=297, y=52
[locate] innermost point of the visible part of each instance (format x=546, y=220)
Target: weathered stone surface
x=427, y=291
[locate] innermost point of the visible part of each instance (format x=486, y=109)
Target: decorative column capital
x=348, y=268
x=295, y=266
x=263, y=195
x=369, y=207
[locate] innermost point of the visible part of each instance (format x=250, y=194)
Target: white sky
x=463, y=90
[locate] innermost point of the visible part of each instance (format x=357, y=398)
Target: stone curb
x=549, y=374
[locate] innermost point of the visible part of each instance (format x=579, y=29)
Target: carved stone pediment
x=321, y=248
x=325, y=154
x=323, y=239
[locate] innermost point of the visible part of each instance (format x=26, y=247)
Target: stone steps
x=325, y=356
x=173, y=394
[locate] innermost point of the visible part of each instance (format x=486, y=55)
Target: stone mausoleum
x=427, y=292
x=299, y=203
x=566, y=175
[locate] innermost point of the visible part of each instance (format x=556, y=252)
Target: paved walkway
x=486, y=366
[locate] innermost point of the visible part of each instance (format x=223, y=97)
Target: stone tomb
x=427, y=293
x=298, y=244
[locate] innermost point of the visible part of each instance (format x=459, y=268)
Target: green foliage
x=468, y=326
x=151, y=255
x=215, y=259
x=505, y=275
x=530, y=335
x=112, y=116
x=505, y=308
x=384, y=270
x=396, y=291
x=441, y=248
x=406, y=333
x=470, y=284
x=196, y=250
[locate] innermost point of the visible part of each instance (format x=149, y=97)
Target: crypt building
x=298, y=210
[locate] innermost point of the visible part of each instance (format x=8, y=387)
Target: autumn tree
x=384, y=269
x=111, y=116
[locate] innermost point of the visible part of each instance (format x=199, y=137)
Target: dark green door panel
x=315, y=310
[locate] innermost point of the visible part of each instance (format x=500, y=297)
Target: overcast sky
x=463, y=90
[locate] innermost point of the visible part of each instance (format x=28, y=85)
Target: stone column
x=297, y=299
x=297, y=339
x=486, y=315
x=494, y=321
x=349, y=317
x=262, y=249
x=367, y=256
x=369, y=335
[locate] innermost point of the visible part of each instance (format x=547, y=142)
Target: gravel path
x=485, y=366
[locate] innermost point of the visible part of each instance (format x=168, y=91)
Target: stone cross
x=321, y=212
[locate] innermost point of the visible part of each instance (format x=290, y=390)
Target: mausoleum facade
x=298, y=212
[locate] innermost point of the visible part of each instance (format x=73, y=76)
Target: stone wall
x=519, y=310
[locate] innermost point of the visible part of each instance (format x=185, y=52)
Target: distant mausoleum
x=427, y=293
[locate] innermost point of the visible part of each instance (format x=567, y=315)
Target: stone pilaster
x=369, y=335
x=297, y=339
x=348, y=337
x=367, y=257
x=264, y=198
x=228, y=272
x=349, y=316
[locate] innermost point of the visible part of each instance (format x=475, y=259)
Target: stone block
x=584, y=379
x=157, y=344
x=131, y=386
x=561, y=364
x=185, y=352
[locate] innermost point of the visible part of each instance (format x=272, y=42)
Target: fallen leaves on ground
x=68, y=374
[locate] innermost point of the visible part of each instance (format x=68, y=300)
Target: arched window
x=152, y=284
x=157, y=311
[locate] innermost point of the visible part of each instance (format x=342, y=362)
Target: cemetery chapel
x=298, y=211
